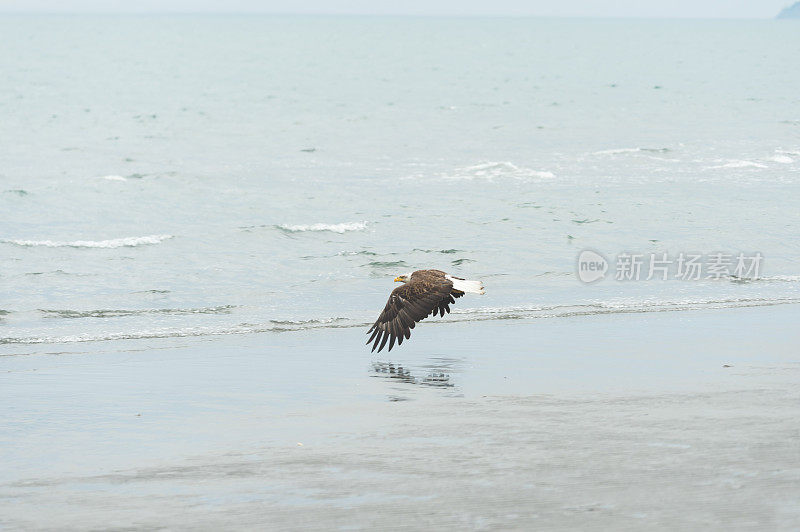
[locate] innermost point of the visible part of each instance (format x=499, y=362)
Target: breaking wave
x=324, y=321
x=334, y=228
x=494, y=170
x=353, y=253
x=132, y=241
x=275, y=326
x=614, y=307
x=619, y=151
x=115, y=313
x=739, y=164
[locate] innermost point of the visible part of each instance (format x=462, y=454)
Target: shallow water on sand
x=581, y=422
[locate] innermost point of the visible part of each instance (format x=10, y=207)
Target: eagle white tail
x=465, y=285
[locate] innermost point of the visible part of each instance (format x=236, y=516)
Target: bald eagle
x=423, y=293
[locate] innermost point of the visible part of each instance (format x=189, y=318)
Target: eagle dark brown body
x=425, y=292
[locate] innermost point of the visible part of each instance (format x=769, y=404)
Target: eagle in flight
x=423, y=293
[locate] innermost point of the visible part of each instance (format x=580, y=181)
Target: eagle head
x=403, y=278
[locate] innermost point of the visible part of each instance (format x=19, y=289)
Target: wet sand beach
x=673, y=420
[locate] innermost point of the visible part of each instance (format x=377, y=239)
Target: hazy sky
x=558, y=8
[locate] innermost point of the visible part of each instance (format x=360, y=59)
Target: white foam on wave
x=185, y=332
x=133, y=335
x=334, y=228
x=619, y=151
x=320, y=321
x=113, y=243
x=739, y=164
x=113, y=178
x=616, y=151
x=503, y=310
x=492, y=170
x=621, y=306
x=784, y=159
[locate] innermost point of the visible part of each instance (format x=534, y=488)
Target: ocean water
x=196, y=175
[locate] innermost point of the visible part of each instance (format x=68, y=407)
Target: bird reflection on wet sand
x=391, y=371
x=436, y=375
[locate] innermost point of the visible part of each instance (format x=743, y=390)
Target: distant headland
x=793, y=11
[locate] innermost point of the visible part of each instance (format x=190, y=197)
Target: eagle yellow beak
x=398, y=280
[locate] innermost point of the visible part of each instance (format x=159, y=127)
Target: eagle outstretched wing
x=408, y=304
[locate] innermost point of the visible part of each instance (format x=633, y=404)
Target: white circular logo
x=591, y=266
